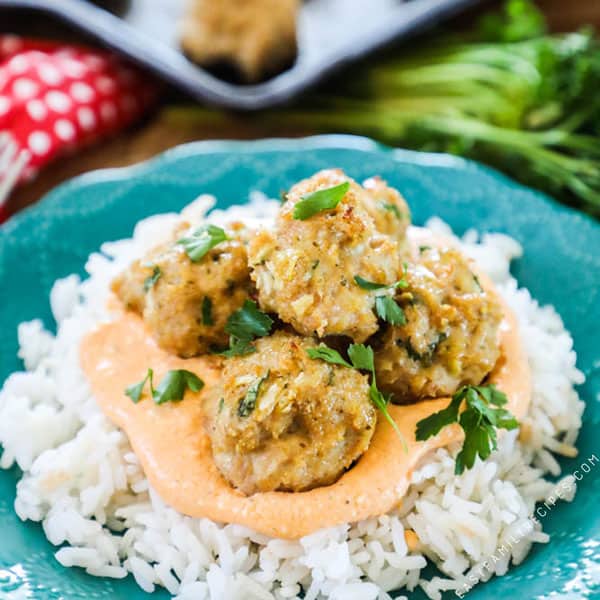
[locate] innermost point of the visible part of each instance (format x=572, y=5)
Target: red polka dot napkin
x=56, y=98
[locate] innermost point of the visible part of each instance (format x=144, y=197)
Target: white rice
x=84, y=483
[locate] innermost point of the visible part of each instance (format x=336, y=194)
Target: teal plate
x=561, y=266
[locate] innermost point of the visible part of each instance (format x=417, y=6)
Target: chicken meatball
x=305, y=270
x=257, y=37
x=280, y=420
x=450, y=337
x=185, y=304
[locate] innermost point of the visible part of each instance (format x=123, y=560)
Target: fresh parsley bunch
x=510, y=95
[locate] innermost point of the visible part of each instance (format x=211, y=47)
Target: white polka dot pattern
x=86, y=118
x=58, y=101
x=5, y=105
x=56, y=98
x=82, y=92
x=37, y=110
x=24, y=88
x=64, y=129
x=50, y=74
x=39, y=142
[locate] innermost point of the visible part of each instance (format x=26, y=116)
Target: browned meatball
x=304, y=270
x=187, y=304
x=451, y=333
x=256, y=36
x=282, y=421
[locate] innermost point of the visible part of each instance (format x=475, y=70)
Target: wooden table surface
x=157, y=133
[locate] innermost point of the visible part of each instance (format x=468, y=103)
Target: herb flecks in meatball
x=187, y=289
x=387, y=207
x=305, y=268
x=282, y=421
x=450, y=337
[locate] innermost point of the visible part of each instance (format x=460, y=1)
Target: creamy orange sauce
x=175, y=453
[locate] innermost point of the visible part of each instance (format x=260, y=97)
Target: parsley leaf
x=381, y=401
x=202, y=240
x=248, y=322
x=388, y=310
x=363, y=359
x=152, y=279
x=207, y=316
x=328, y=355
x=433, y=424
x=392, y=208
x=171, y=388
x=325, y=199
x=135, y=390
x=248, y=402
x=479, y=422
x=237, y=348
x=365, y=284
x=245, y=325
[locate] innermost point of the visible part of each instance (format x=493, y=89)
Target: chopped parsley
x=174, y=384
x=202, y=240
x=207, y=316
x=412, y=352
x=425, y=357
x=245, y=325
x=479, y=421
x=328, y=355
x=248, y=402
x=135, y=390
x=389, y=310
x=152, y=279
x=316, y=202
x=424, y=249
x=361, y=358
x=365, y=284
x=171, y=389
x=249, y=322
x=237, y=348
x=392, y=208
x=477, y=282
x=386, y=307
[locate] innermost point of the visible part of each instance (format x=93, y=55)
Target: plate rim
x=291, y=144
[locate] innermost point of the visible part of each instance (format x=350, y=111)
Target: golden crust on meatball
x=186, y=304
x=450, y=337
x=280, y=420
x=304, y=270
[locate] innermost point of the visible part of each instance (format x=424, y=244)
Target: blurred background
x=511, y=83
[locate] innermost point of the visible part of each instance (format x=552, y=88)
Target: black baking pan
x=331, y=33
